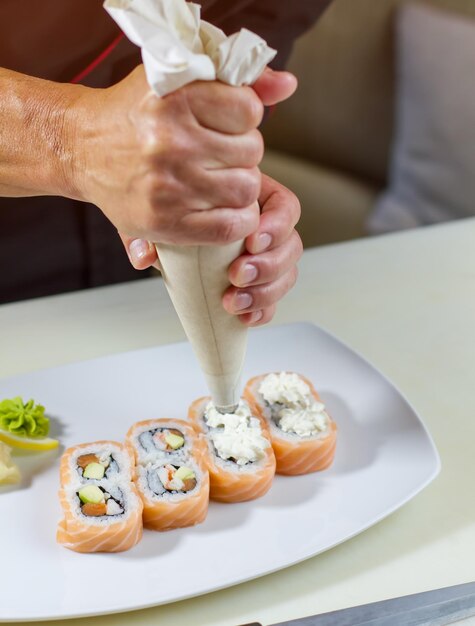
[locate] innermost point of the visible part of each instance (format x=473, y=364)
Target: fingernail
x=138, y=249
x=242, y=301
x=247, y=274
x=255, y=317
x=263, y=242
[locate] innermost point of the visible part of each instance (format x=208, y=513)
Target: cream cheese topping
x=294, y=408
x=236, y=435
x=304, y=422
x=285, y=388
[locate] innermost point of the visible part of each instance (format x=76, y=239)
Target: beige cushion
x=342, y=115
x=433, y=169
x=334, y=206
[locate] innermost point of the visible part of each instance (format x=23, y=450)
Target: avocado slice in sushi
x=174, y=441
x=91, y=494
x=184, y=473
x=94, y=470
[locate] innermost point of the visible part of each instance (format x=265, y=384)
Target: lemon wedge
x=28, y=443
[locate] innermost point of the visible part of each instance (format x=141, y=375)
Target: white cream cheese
x=297, y=411
x=236, y=435
x=304, y=422
x=285, y=388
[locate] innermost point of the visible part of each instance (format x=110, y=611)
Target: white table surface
x=407, y=303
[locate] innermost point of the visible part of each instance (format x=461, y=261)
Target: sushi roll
x=101, y=507
x=89, y=462
x=170, y=473
x=303, y=434
x=240, y=458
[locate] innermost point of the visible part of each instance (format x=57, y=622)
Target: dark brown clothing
x=48, y=244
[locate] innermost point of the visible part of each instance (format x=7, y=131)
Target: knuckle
x=293, y=276
x=298, y=244
x=246, y=188
x=252, y=108
x=237, y=225
x=257, y=147
x=252, y=185
x=293, y=207
x=267, y=294
x=270, y=267
x=297, y=208
x=230, y=229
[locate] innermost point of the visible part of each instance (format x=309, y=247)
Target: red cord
x=103, y=55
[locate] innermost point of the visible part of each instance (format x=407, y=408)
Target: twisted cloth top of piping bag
x=179, y=48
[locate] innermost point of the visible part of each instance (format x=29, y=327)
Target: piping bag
x=179, y=48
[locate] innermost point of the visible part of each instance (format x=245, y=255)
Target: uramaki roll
x=89, y=462
x=101, y=513
x=303, y=434
x=170, y=473
x=248, y=474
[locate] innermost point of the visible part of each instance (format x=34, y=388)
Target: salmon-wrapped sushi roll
x=303, y=434
x=170, y=473
x=240, y=458
x=101, y=507
x=89, y=462
x=106, y=518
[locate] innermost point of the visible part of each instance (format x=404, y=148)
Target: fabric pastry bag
x=179, y=48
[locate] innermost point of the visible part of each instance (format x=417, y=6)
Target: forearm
x=37, y=130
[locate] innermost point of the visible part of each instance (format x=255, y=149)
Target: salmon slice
x=294, y=456
x=180, y=509
x=241, y=483
x=97, y=536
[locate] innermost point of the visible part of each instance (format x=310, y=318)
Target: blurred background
x=381, y=133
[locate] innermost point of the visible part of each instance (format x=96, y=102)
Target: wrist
x=72, y=125
x=86, y=129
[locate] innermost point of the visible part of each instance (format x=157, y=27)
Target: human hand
x=179, y=169
x=268, y=269
x=271, y=88
x=273, y=249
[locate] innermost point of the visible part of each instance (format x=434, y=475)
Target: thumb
x=274, y=87
x=142, y=254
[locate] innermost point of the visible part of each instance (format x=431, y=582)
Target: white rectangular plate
x=384, y=457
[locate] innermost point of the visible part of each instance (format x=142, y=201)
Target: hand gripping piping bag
x=179, y=48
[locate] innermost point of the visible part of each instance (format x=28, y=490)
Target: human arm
x=158, y=168
x=36, y=146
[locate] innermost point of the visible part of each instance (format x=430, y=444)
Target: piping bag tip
x=230, y=408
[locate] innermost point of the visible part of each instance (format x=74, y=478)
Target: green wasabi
x=23, y=419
